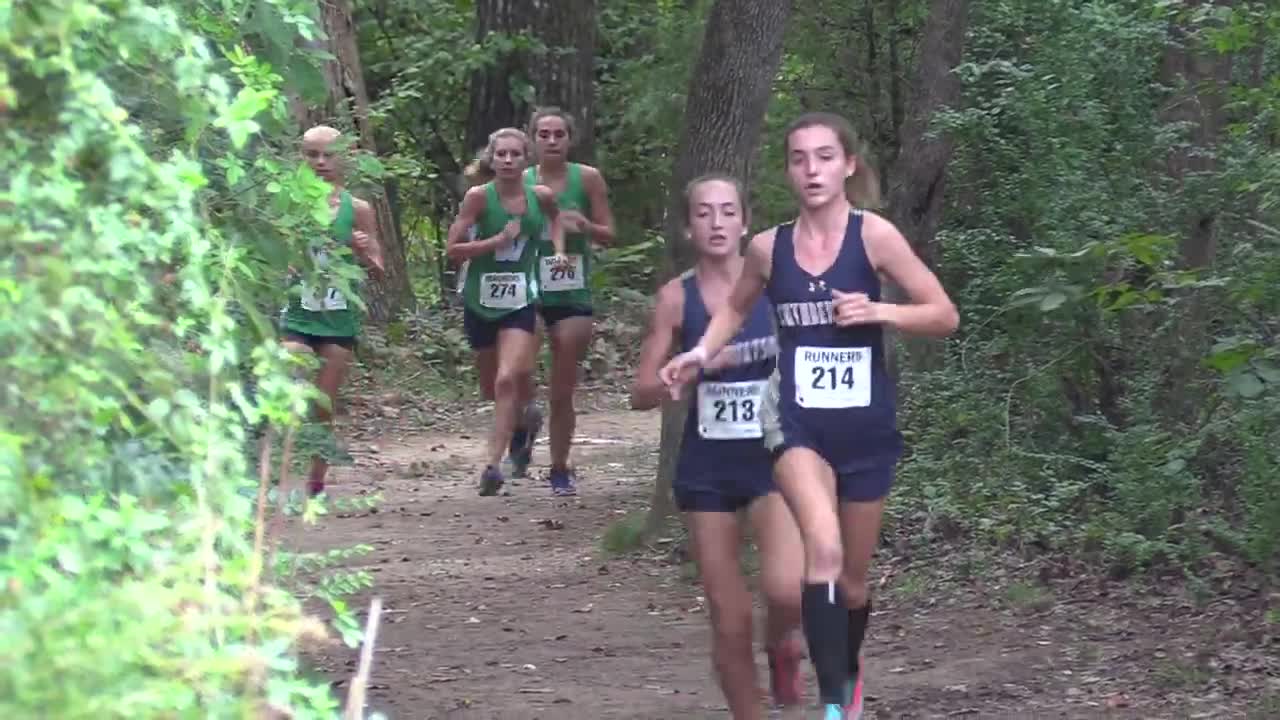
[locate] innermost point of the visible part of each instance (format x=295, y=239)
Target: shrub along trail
x=508, y=607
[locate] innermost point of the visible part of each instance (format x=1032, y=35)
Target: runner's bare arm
x=929, y=311
x=601, y=227
x=551, y=210
x=458, y=246
x=370, y=246
x=648, y=390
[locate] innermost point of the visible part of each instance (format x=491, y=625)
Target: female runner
x=500, y=287
x=829, y=416
x=565, y=302
x=325, y=322
x=723, y=468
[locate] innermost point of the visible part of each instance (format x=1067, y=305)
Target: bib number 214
x=833, y=377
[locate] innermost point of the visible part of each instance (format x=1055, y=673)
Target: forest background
x=1096, y=182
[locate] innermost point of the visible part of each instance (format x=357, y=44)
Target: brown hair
x=714, y=177
x=480, y=170
x=863, y=187
x=553, y=111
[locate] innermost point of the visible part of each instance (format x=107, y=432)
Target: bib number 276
x=562, y=274
x=833, y=377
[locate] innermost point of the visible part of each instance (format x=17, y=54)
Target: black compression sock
x=858, y=619
x=826, y=627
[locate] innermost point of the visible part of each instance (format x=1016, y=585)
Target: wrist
x=890, y=314
x=699, y=351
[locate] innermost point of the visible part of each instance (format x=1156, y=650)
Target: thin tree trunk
x=492, y=104
x=920, y=171
x=347, y=99
x=724, y=112
x=565, y=75
x=1201, y=79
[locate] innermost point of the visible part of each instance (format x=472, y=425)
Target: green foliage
x=1104, y=398
x=150, y=214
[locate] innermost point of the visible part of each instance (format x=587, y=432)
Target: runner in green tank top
x=501, y=285
x=565, y=304
x=326, y=322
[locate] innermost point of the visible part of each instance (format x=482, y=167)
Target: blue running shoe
x=563, y=482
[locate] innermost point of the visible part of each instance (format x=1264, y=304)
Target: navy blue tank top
x=833, y=380
x=722, y=448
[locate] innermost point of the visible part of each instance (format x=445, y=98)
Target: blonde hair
x=553, y=111
x=480, y=170
x=863, y=187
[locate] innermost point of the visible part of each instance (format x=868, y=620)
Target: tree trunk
x=724, y=112
x=502, y=94
x=347, y=99
x=493, y=103
x=919, y=173
x=565, y=75
x=1200, y=79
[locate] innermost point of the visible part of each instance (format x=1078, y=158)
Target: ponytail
x=480, y=170
x=863, y=187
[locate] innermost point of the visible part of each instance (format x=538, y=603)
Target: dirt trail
x=506, y=607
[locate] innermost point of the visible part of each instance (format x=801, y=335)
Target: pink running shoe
x=853, y=710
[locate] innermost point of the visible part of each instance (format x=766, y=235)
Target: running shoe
x=832, y=711
x=490, y=481
x=853, y=710
x=564, y=482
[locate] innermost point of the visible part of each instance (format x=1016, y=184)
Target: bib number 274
x=503, y=290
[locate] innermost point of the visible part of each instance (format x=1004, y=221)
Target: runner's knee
x=825, y=556
x=509, y=382
x=782, y=591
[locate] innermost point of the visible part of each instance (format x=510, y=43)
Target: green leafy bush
x=149, y=214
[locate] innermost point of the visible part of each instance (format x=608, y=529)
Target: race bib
x=315, y=300
x=730, y=410
x=503, y=291
x=512, y=252
x=562, y=276
x=833, y=377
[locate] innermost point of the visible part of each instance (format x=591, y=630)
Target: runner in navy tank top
x=723, y=467
x=833, y=394
x=829, y=417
